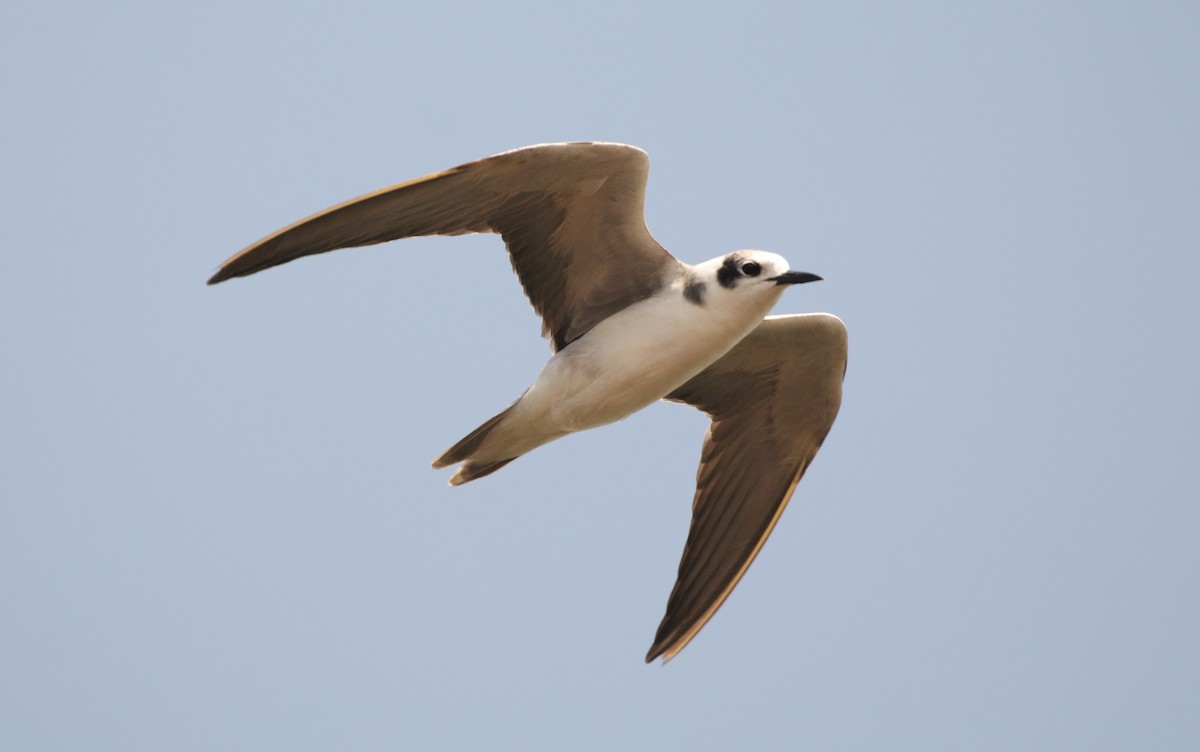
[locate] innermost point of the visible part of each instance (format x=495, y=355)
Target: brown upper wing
x=570, y=214
x=772, y=400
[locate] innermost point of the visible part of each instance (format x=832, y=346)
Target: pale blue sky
x=219, y=529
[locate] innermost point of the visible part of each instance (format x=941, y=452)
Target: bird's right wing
x=772, y=399
x=570, y=214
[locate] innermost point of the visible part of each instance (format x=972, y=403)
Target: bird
x=628, y=325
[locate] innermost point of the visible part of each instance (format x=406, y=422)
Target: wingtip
x=221, y=275
x=665, y=652
x=664, y=648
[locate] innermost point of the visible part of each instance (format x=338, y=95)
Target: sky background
x=219, y=528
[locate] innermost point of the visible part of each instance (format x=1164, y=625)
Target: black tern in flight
x=629, y=325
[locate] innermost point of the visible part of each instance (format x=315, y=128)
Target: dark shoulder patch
x=694, y=291
x=728, y=274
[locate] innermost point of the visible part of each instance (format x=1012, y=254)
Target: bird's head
x=759, y=274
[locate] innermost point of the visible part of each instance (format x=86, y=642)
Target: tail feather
x=469, y=445
x=472, y=470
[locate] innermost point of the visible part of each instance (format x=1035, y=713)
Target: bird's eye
x=751, y=269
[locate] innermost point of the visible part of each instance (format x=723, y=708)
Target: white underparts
x=626, y=362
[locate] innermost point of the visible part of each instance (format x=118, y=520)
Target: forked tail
x=469, y=445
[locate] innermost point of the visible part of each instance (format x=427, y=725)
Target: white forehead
x=767, y=259
x=772, y=263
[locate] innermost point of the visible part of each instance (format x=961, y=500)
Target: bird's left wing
x=570, y=214
x=772, y=399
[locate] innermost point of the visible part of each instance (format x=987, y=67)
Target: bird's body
x=626, y=362
x=629, y=325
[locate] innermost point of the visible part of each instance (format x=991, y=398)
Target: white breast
x=639, y=355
